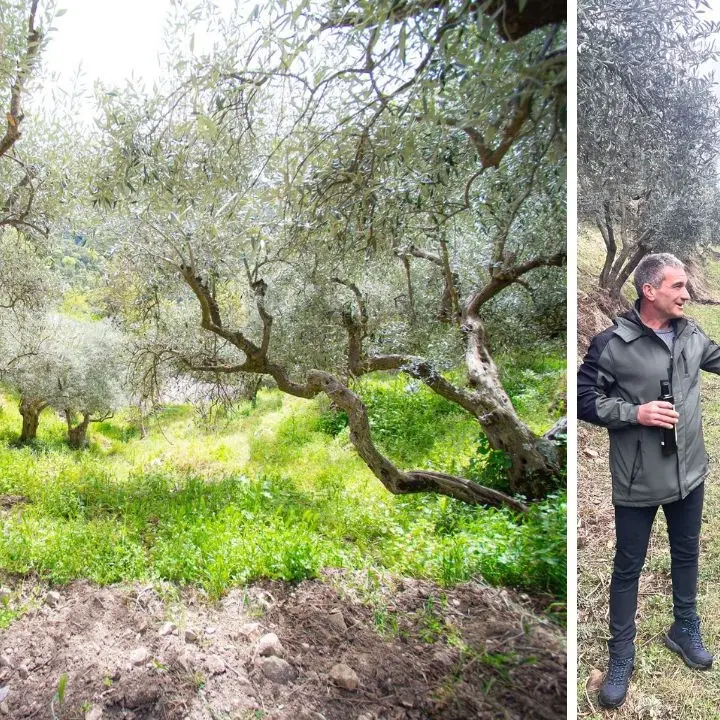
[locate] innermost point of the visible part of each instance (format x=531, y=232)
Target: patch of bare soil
x=700, y=289
x=595, y=313
x=274, y=650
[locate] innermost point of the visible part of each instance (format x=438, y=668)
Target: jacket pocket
x=626, y=461
x=684, y=364
x=637, y=465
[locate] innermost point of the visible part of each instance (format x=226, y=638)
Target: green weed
x=277, y=493
x=488, y=466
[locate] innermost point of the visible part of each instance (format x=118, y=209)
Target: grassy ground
x=662, y=686
x=273, y=491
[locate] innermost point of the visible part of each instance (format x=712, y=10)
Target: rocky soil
x=317, y=650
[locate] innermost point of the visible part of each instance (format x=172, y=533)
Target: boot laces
x=618, y=670
x=692, y=628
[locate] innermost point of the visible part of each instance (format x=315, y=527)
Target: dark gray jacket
x=621, y=371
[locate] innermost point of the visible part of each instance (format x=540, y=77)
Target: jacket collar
x=630, y=327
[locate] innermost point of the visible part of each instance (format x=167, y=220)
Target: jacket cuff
x=629, y=413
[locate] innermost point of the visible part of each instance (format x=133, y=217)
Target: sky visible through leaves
x=108, y=42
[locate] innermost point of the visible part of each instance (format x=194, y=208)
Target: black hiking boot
x=684, y=638
x=615, y=685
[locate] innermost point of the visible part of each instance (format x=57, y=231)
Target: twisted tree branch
x=24, y=68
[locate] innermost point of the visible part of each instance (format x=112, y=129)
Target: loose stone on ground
x=344, y=676
x=277, y=669
x=270, y=644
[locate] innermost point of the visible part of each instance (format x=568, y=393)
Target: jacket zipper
x=634, y=470
x=677, y=453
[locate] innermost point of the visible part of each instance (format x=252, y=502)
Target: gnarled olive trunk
x=30, y=409
x=533, y=472
x=620, y=265
x=535, y=463
x=77, y=434
x=397, y=481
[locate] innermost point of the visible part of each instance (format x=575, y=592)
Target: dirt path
x=131, y=653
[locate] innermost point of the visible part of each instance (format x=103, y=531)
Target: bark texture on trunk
x=620, y=262
x=535, y=461
x=635, y=253
x=30, y=410
x=607, y=231
x=14, y=115
x=77, y=434
x=397, y=481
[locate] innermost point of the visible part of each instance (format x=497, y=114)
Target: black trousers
x=632, y=530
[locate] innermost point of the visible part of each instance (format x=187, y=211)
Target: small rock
x=249, y=629
x=4, y=692
x=337, y=621
x=53, y=598
x=94, y=713
x=5, y=593
x=180, y=660
x=589, y=452
x=5, y=661
x=4, y=709
x=210, y=630
x=344, y=676
x=269, y=644
x=215, y=665
x=140, y=656
x=407, y=701
x=165, y=629
x=595, y=680
x=191, y=636
x=277, y=669
x=23, y=672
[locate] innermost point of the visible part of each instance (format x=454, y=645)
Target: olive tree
x=91, y=377
x=28, y=368
x=329, y=213
x=23, y=33
x=75, y=367
x=647, y=128
x=37, y=161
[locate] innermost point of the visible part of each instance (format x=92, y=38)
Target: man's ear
x=649, y=292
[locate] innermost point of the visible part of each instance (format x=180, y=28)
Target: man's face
x=669, y=299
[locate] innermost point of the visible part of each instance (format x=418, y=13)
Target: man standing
x=619, y=383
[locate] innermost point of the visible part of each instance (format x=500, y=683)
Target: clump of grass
x=536, y=384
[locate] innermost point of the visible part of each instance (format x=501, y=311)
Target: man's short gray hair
x=651, y=270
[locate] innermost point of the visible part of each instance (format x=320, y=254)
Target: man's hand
x=657, y=413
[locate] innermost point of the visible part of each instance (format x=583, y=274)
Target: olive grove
x=75, y=367
x=341, y=190
x=647, y=129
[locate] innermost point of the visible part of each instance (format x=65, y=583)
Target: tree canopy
x=333, y=191
x=647, y=129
